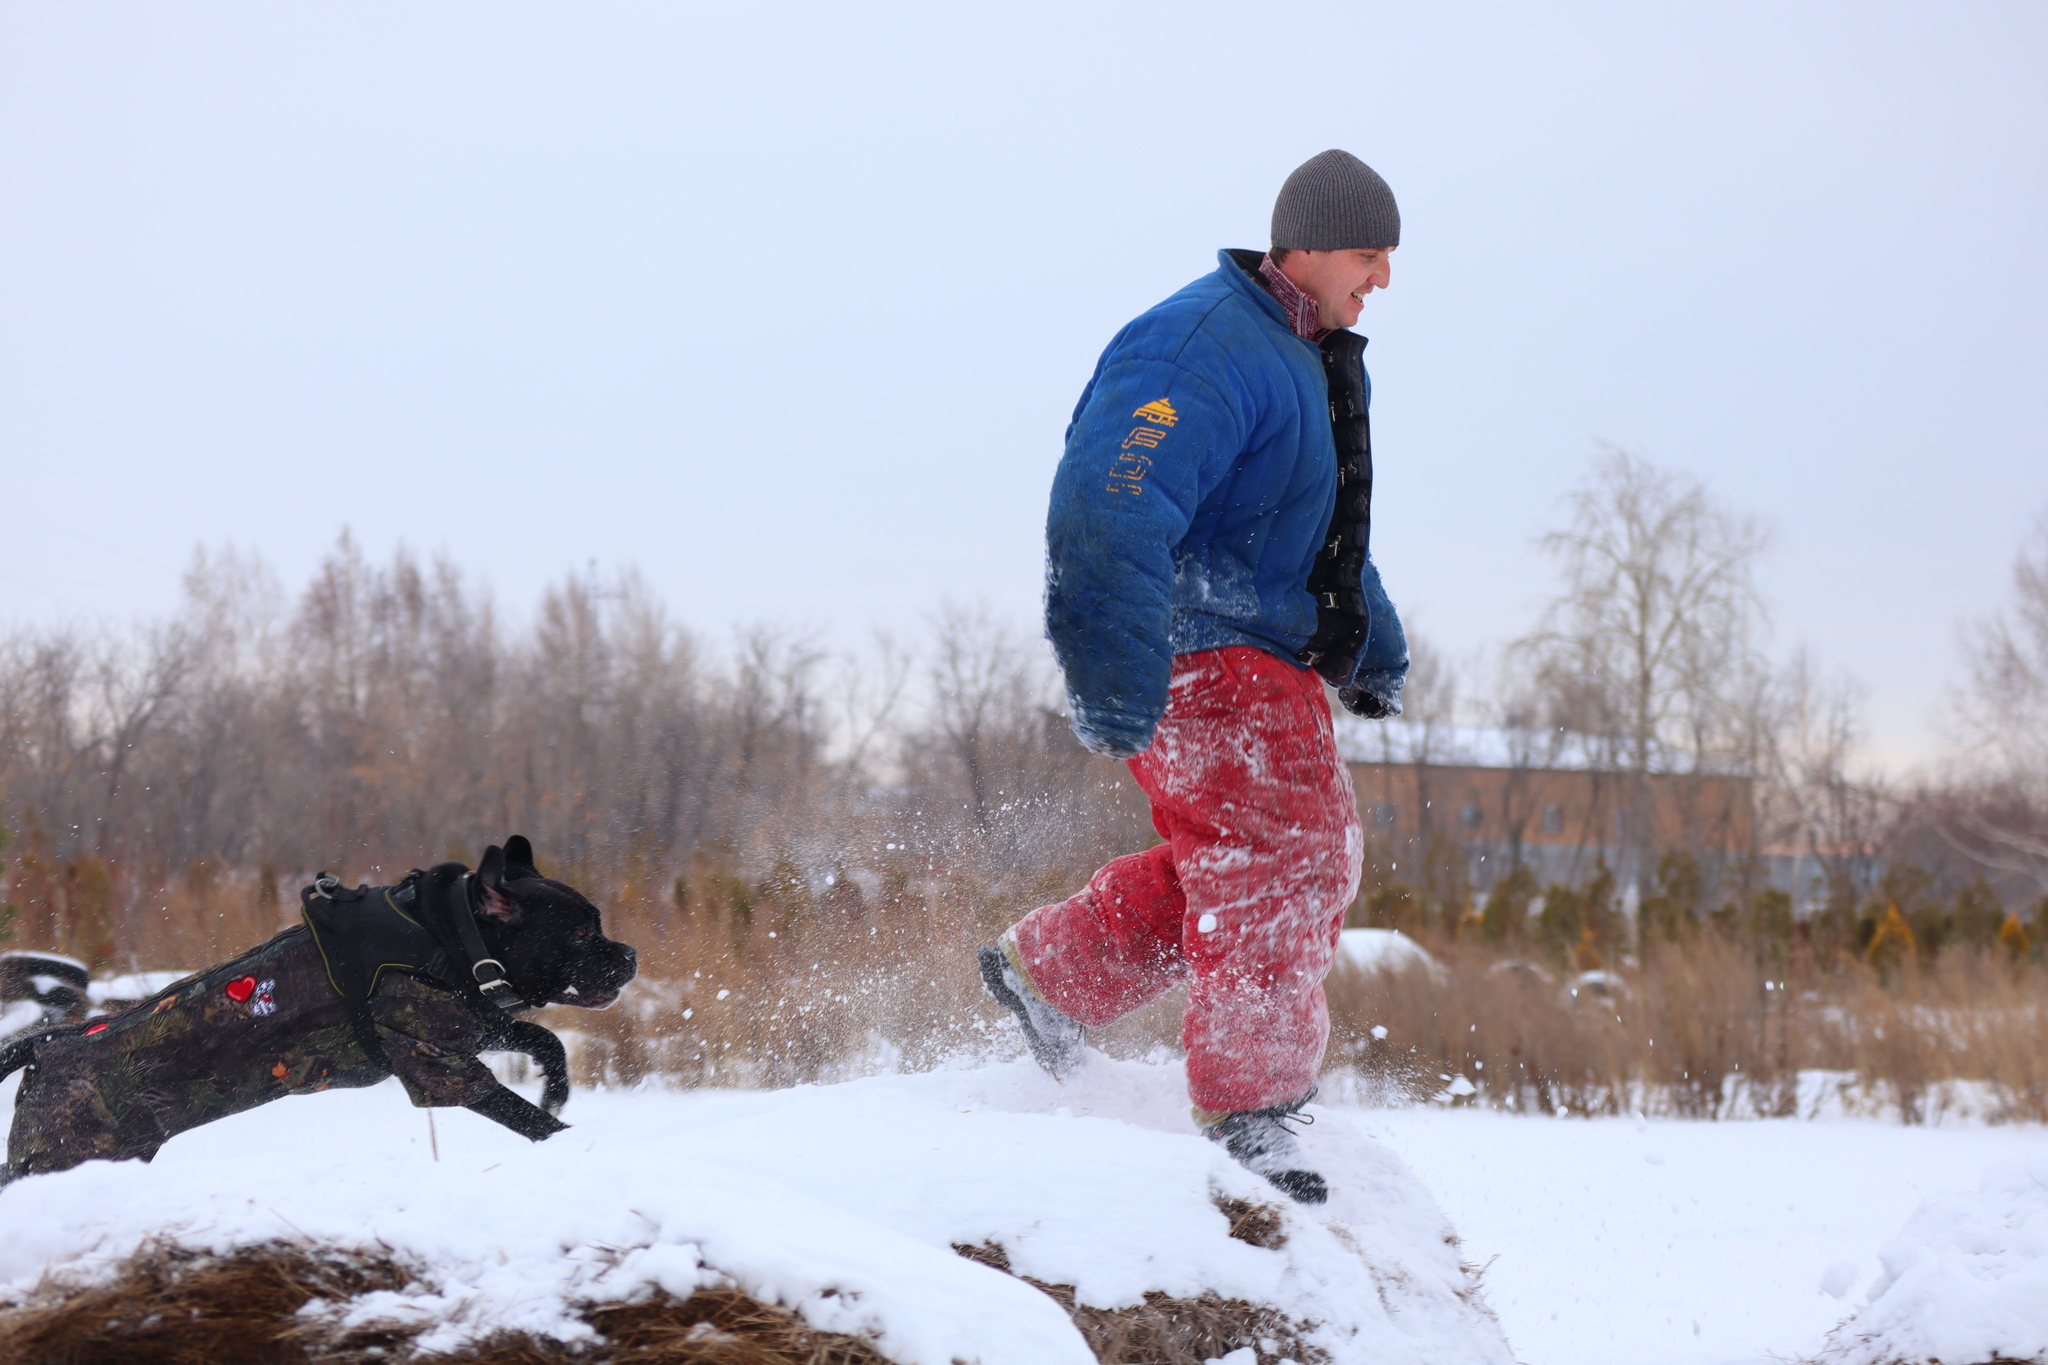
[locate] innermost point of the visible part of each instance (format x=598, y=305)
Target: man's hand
x=1107, y=748
x=1375, y=695
x=1111, y=734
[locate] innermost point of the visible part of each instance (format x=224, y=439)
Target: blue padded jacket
x=1198, y=482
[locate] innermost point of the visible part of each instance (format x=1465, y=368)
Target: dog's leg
x=521, y=1115
x=522, y=1035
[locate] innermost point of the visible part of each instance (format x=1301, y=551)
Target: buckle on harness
x=495, y=988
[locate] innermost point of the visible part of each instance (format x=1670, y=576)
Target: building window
x=1468, y=815
x=1384, y=813
x=1553, y=819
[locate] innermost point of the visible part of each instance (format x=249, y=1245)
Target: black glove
x=1111, y=733
x=1367, y=704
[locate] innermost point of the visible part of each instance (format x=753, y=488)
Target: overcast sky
x=789, y=305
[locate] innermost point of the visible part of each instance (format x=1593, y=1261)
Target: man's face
x=1339, y=280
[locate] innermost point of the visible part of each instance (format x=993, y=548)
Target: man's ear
x=490, y=878
x=519, y=856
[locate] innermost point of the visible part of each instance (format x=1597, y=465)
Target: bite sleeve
x=1149, y=442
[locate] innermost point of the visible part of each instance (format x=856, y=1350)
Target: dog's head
x=546, y=934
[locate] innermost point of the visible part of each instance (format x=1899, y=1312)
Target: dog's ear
x=519, y=857
x=490, y=878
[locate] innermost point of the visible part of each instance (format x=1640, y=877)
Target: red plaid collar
x=1302, y=314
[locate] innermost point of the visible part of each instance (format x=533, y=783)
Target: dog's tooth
x=573, y=991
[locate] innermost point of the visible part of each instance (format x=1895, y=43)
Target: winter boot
x=1260, y=1140
x=1055, y=1039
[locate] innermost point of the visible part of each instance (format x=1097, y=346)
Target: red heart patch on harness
x=240, y=991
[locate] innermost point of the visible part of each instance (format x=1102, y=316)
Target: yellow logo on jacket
x=1130, y=466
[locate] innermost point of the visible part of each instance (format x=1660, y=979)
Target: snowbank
x=133, y=986
x=843, y=1202
x=17, y=1016
x=1381, y=950
x=1965, y=1280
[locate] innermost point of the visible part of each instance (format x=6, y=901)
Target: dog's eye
x=583, y=933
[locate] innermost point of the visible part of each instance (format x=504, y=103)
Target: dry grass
x=1706, y=1031
x=1261, y=1225
x=171, y=1306
x=1171, y=1331
x=1711, y=1028
x=775, y=983
x=168, y=1305
x=765, y=974
x=787, y=979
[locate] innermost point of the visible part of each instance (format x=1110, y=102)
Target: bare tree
x=2004, y=711
x=1658, y=630
x=2002, y=717
x=1812, y=802
x=869, y=691
x=987, y=703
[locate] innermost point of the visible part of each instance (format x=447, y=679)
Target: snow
x=1606, y=1241
x=133, y=986
x=17, y=1015
x=41, y=956
x=841, y=1201
x=1965, y=1280
x=1626, y=1242
x=1381, y=950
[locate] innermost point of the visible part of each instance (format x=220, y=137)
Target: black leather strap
x=1342, y=619
x=448, y=901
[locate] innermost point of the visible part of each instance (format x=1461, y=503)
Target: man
x=1207, y=571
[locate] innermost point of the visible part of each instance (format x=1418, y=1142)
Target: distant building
x=1558, y=804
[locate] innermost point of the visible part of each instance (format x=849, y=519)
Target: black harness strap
x=361, y=934
x=424, y=927
x=450, y=896
x=1342, y=619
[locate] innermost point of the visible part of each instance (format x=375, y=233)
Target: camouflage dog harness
x=363, y=989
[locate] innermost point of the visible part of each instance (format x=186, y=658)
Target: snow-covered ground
x=842, y=1201
x=1967, y=1279
x=1610, y=1242
x=1654, y=1243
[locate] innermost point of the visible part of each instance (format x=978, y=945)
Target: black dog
x=414, y=980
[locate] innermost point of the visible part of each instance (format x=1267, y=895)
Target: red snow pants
x=1245, y=898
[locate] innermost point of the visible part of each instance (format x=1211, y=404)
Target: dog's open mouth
x=589, y=1000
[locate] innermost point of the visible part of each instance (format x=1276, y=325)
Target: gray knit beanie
x=1334, y=202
